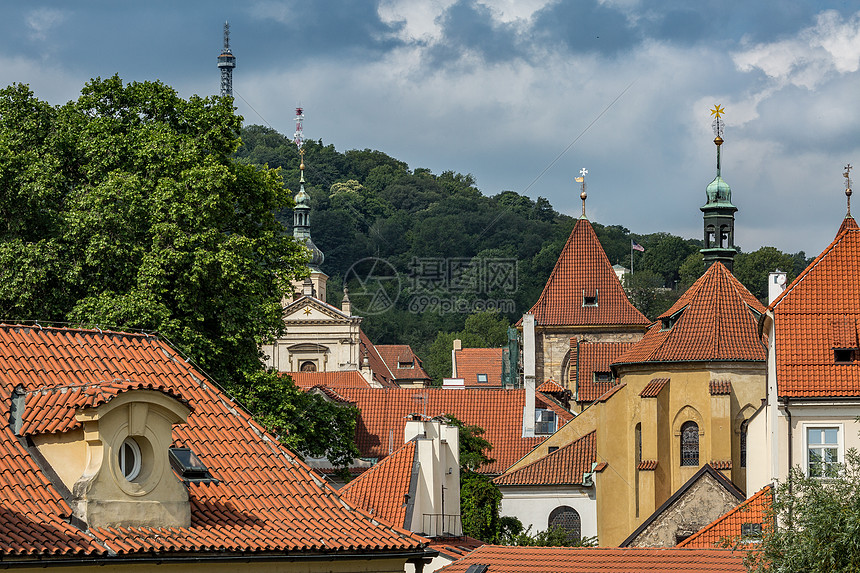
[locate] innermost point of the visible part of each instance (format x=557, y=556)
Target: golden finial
x=581, y=179
x=847, y=176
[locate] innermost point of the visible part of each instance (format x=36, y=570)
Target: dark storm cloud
x=467, y=26
x=585, y=26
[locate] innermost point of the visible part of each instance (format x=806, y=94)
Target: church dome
x=719, y=191
x=317, y=256
x=303, y=199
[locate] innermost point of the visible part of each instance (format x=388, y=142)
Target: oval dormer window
x=129, y=459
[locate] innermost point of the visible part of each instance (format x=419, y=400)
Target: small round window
x=129, y=459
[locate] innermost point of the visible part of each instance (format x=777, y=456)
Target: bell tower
x=719, y=212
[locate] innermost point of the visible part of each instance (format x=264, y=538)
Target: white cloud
x=419, y=20
x=815, y=55
x=42, y=20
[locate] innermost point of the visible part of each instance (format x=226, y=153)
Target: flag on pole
x=636, y=246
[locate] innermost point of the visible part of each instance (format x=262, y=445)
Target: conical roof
x=716, y=319
x=847, y=223
x=583, y=270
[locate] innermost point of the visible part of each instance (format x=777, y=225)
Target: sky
x=521, y=94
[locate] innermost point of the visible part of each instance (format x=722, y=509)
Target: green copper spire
x=719, y=212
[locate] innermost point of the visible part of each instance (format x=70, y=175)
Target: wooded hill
x=436, y=249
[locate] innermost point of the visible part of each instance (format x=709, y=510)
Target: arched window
x=744, y=426
x=689, y=444
x=308, y=366
x=566, y=518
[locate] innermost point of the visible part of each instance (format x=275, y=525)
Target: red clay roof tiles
x=474, y=361
x=397, y=355
x=550, y=387
x=382, y=422
x=727, y=528
x=712, y=321
x=653, y=388
x=720, y=388
x=345, y=379
x=595, y=357
x=266, y=500
x=565, y=466
x=647, y=465
x=583, y=270
x=381, y=489
x=815, y=314
x=514, y=559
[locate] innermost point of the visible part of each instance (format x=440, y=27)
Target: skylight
x=188, y=466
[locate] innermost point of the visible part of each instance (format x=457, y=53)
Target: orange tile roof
x=595, y=357
x=582, y=269
x=499, y=412
x=653, y=388
x=715, y=323
x=517, y=559
x=52, y=409
x=266, y=500
x=647, y=465
x=847, y=223
x=565, y=466
x=474, y=361
x=550, y=387
x=345, y=379
x=727, y=528
x=394, y=354
x=455, y=547
x=720, y=387
x=381, y=489
x=381, y=373
x=815, y=315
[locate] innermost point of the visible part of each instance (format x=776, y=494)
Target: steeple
x=848, y=222
x=302, y=216
x=719, y=212
x=581, y=179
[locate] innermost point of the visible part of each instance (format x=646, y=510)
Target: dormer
x=109, y=445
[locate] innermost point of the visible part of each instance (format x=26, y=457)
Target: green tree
x=306, y=422
x=480, y=500
x=473, y=446
x=752, y=269
x=551, y=537
x=126, y=208
x=647, y=293
x=486, y=329
x=814, y=524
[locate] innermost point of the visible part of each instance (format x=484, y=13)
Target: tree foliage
x=125, y=209
x=480, y=500
x=817, y=524
x=474, y=448
x=481, y=330
x=305, y=422
x=551, y=537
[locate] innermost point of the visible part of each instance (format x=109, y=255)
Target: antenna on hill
x=226, y=63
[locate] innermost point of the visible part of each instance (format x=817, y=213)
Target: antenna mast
x=226, y=63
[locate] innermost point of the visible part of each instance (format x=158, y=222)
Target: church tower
x=302, y=223
x=719, y=212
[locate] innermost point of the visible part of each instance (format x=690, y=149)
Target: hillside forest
x=422, y=252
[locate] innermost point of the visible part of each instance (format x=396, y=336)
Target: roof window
x=843, y=355
x=188, y=466
x=667, y=322
x=603, y=376
x=545, y=421
x=482, y=378
x=404, y=365
x=589, y=299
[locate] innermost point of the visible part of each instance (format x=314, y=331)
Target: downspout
x=785, y=401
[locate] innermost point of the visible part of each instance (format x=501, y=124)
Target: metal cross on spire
x=718, y=125
x=847, y=176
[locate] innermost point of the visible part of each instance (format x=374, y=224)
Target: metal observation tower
x=226, y=63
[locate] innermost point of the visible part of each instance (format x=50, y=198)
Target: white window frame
x=484, y=381
x=551, y=424
x=121, y=462
x=840, y=441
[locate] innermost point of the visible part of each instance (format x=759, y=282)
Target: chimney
x=458, y=345
x=775, y=284
x=345, y=305
x=529, y=374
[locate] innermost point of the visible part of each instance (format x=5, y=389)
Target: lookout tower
x=226, y=63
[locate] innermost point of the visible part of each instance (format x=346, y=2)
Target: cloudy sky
x=520, y=93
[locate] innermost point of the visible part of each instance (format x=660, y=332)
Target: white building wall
x=532, y=505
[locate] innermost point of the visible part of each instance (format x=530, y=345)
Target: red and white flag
x=636, y=246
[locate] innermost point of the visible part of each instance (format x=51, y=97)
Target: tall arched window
x=689, y=444
x=566, y=518
x=744, y=426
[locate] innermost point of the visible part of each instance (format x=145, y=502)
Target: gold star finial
x=718, y=111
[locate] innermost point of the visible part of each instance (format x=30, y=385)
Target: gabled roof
x=394, y=354
x=344, y=379
x=265, y=500
x=727, y=528
x=474, y=361
x=382, y=422
x=706, y=469
x=595, y=357
x=517, y=559
x=381, y=489
x=381, y=373
x=565, y=466
x=712, y=321
x=583, y=269
x=817, y=313
x=550, y=387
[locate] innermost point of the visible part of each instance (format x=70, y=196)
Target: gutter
x=415, y=557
